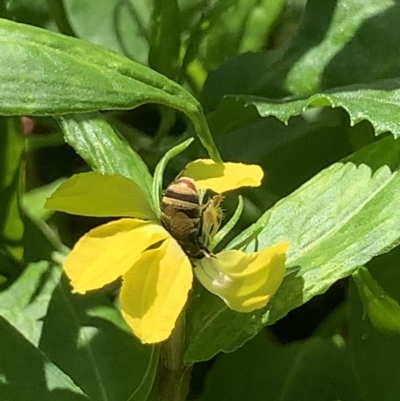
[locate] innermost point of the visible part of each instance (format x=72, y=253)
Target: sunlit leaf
x=47, y=380
x=339, y=220
x=64, y=75
x=98, y=352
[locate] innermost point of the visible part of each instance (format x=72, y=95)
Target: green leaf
x=336, y=222
x=159, y=172
x=24, y=303
x=382, y=310
x=124, y=25
x=104, y=150
x=261, y=20
x=229, y=28
x=166, y=38
x=25, y=370
x=44, y=73
x=34, y=200
x=334, y=50
x=212, y=327
x=376, y=354
x=378, y=103
x=64, y=75
x=316, y=369
x=11, y=185
x=334, y=43
x=98, y=350
x=208, y=19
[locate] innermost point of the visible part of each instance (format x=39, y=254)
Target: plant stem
x=174, y=373
x=168, y=118
x=58, y=13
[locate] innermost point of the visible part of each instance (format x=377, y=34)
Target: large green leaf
x=98, y=351
x=26, y=372
x=324, y=66
x=104, y=150
x=11, y=182
x=337, y=221
x=376, y=354
x=123, y=26
x=44, y=73
x=317, y=369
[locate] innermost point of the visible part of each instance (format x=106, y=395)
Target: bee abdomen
x=182, y=196
x=186, y=197
x=181, y=214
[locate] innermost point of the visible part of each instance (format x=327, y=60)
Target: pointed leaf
x=75, y=76
x=44, y=73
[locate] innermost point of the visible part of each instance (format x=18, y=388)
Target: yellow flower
x=157, y=274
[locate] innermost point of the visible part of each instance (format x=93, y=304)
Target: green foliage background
x=308, y=90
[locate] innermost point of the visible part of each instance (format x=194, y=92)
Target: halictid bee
x=182, y=216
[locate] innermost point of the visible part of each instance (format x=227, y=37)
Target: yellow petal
x=155, y=291
x=109, y=251
x=244, y=281
x=94, y=194
x=223, y=177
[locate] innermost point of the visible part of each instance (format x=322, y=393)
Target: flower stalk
x=174, y=373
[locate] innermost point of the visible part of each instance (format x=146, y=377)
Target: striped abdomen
x=181, y=215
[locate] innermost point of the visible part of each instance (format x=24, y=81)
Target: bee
x=182, y=216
